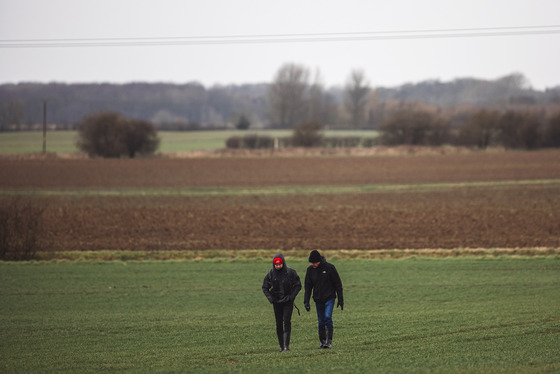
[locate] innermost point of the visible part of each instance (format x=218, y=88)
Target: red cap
x=278, y=260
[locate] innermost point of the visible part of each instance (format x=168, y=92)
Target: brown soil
x=271, y=171
x=498, y=216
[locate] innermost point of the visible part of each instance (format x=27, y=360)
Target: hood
x=283, y=260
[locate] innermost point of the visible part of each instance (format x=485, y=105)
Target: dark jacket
x=281, y=286
x=325, y=283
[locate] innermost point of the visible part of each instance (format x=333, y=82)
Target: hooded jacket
x=325, y=283
x=281, y=286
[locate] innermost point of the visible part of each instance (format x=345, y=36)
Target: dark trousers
x=283, y=315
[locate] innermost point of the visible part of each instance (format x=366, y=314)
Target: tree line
x=511, y=129
x=295, y=95
x=417, y=126
x=297, y=99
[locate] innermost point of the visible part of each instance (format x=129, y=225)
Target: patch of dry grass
x=266, y=254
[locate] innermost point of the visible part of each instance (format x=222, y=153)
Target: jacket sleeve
x=267, y=284
x=296, y=285
x=308, y=288
x=337, y=285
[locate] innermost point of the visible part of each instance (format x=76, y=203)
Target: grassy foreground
x=402, y=315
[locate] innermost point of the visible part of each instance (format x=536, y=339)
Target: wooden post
x=44, y=126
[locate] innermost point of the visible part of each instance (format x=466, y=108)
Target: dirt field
x=268, y=171
x=490, y=216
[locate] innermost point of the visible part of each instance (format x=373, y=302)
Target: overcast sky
x=246, y=41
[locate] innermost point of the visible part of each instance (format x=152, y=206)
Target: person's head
x=315, y=258
x=278, y=262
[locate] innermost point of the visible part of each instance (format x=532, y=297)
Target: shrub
x=369, y=142
x=140, y=137
x=307, y=134
x=110, y=134
x=481, y=130
x=521, y=130
x=261, y=141
x=414, y=127
x=342, y=141
x=552, y=131
x=20, y=229
x=251, y=141
x=233, y=142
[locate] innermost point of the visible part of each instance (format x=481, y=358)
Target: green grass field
x=171, y=141
x=468, y=315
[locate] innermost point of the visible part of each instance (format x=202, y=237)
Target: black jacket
x=325, y=283
x=281, y=286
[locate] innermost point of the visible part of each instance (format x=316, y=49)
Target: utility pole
x=44, y=126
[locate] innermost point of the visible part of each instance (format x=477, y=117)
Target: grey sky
x=386, y=61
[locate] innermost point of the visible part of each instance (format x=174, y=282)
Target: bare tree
x=356, y=98
x=288, y=95
x=321, y=106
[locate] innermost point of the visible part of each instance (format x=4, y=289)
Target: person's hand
x=341, y=305
x=307, y=307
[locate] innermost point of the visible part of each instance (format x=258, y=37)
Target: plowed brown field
x=460, y=215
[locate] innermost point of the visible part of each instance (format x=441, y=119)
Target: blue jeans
x=324, y=314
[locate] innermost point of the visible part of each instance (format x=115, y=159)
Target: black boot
x=280, y=341
x=329, y=337
x=287, y=341
x=322, y=338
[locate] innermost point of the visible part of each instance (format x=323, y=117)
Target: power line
x=282, y=38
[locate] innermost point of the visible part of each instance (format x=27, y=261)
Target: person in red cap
x=281, y=286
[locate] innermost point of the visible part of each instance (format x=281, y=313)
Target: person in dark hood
x=281, y=286
x=323, y=279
